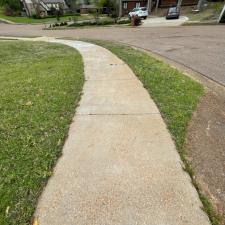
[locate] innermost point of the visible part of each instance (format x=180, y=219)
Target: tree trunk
x=120, y=8
x=157, y=6
x=222, y=15
x=200, y=3
x=149, y=6
x=179, y=4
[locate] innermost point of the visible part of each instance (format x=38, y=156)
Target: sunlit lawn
x=40, y=85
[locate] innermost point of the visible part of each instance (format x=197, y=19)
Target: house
x=28, y=8
x=57, y=4
x=166, y=3
x=43, y=7
x=127, y=5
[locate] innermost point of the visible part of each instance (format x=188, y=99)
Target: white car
x=141, y=12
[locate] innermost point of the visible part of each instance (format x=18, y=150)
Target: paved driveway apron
x=119, y=164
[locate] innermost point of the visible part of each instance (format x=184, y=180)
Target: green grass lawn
x=40, y=85
x=176, y=96
x=208, y=13
x=30, y=20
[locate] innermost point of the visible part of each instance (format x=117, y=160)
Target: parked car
x=173, y=13
x=141, y=12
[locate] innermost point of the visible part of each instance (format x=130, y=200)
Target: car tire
x=145, y=17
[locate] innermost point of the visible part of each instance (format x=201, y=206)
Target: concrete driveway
x=163, y=22
x=201, y=48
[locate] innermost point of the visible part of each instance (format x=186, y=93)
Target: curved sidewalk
x=119, y=164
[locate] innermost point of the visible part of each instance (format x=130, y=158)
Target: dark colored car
x=173, y=13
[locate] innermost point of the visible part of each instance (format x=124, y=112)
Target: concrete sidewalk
x=119, y=164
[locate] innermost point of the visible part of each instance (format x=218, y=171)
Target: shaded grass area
x=176, y=96
x=40, y=85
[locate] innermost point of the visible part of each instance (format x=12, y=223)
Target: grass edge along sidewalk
x=176, y=96
x=40, y=85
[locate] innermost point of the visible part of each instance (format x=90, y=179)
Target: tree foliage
x=105, y=3
x=12, y=4
x=111, y=5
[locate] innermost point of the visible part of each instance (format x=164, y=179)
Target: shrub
x=63, y=23
x=92, y=22
x=135, y=20
x=8, y=11
x=123, y=21
x=13, y=5
x=105, y=22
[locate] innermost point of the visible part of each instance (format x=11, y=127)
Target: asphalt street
x=201, y=48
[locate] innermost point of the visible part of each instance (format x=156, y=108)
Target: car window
x=172, y=10
x=135, y=10
x=144, y=9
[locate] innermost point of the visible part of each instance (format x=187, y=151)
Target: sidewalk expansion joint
x=110, y=79
x=115, y=114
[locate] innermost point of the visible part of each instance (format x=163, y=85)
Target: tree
x=11, y=7
x=114, y=9
x=157, y=6
x=149, y=6
x=13, y=4
x=179, y=4
x=222, y=16
x=111, y=5
x=200, y=4
x=73, y=4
